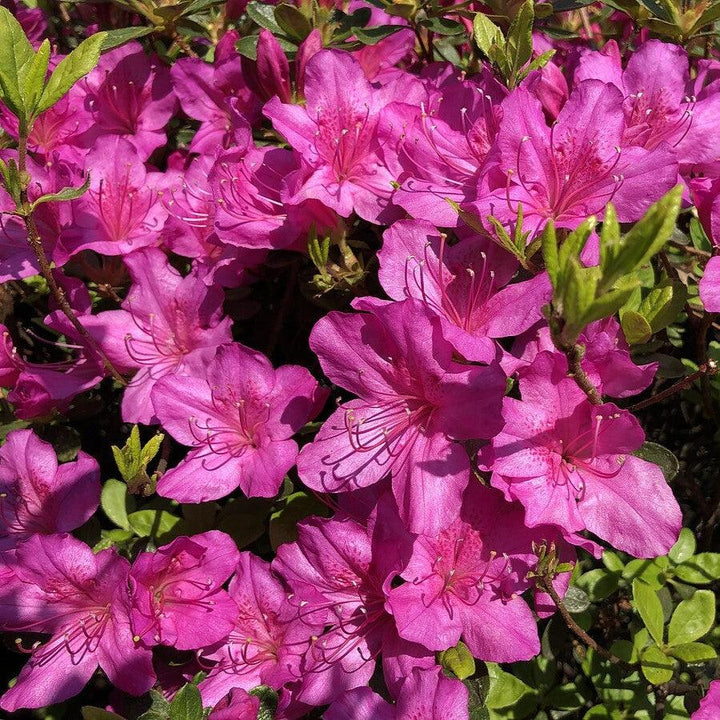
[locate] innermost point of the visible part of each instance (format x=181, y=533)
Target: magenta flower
x=168, y=324
x=710, y=704
x=336, y=135
x=572, y=170
x=567, y=461
x=338, y=571
x=121, y=211
x=206, y=91
x=238, y=705
x=264, y=647
x=39, y=496
x=462, y=284
x=414, y=402
x=129, y=95
x=177, y=594
x=249, y=185
x=426, y=694
x=444, y=143
x=660, y=102
x=606, y=359
x=710, y=285
x=81, y=599
x=705, y=192
x=238, y=417
x=464, y=582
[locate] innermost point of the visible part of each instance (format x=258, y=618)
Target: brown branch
x=709, y=368
x=58, y=293
x=574, y=354
x=546, y=585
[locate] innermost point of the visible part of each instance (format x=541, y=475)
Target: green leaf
x=656, y=665
x=649, y=570
x=598, y=583
x=268, y=701
x=442, y=26
x=15, y=53
x=158, y=709
x=684, y=548
x=635, y=327
x=296, y=507
x=663, y=303
x=152, y=523
x=505, y=689
x=660, y=456
x=373, y=35
x=692, y=618
x=67, y=193
x=70, y=69
x=117, y=503
x=693, y=652
x=576, y=600
x=187, y=704
x=96, y=713
x=518, y=46
x=486, y=33
x=32, y=76
x=292, y=21
x=612, y=561
x=458, y=660
x=701, y=569
x=115, y=38
x=648, y=605
x=264, y=16
x=645, y=239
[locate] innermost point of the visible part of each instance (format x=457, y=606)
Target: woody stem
x=37, y=247
x=709, y=368
x=546, y=585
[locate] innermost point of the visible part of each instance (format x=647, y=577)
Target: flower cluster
x=465, y=432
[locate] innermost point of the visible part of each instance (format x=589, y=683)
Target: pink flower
x=572, y=170
x=177, y=595
x=426, y=694
x=414, y=402
x=39, y=496
x=121, y=211
x=710, y=704
x=462, y=284
x=238, y=705
x=606, y=359
x=129, y=95
x=338, y=571
x=206, y=93
x=249, y=185
x=81, y=599
x=265, y=644
x=465, y=581
x=444, y=143
x=659, y=100
x=336, y=135
x=568, y=461
x=710, y=285
x=168, y=324
x=238, y=417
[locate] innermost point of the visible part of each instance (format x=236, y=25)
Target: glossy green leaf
x=684, y=548
x=692, y=618
x=656, y=666
x=15, y=54
x=115, y=38
x=693, y=652
x=649, y=607
x=486, y=33
x=70, y=69
x=187, y=704
x=635, y=327
x=117, y=503
x=701, y=569
x=152, y=523
x=458, y=660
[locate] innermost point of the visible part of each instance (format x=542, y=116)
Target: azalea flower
x=573, y=169
x=168, y=324
x=465, y=285
x=414, y=402
x=79, y=598
x=37, y=495
x=238, y=705
x=336, y=135
x=426, y=694
x=177, y=594
x=568, y=461
x=238, y=416
x=265, y=643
